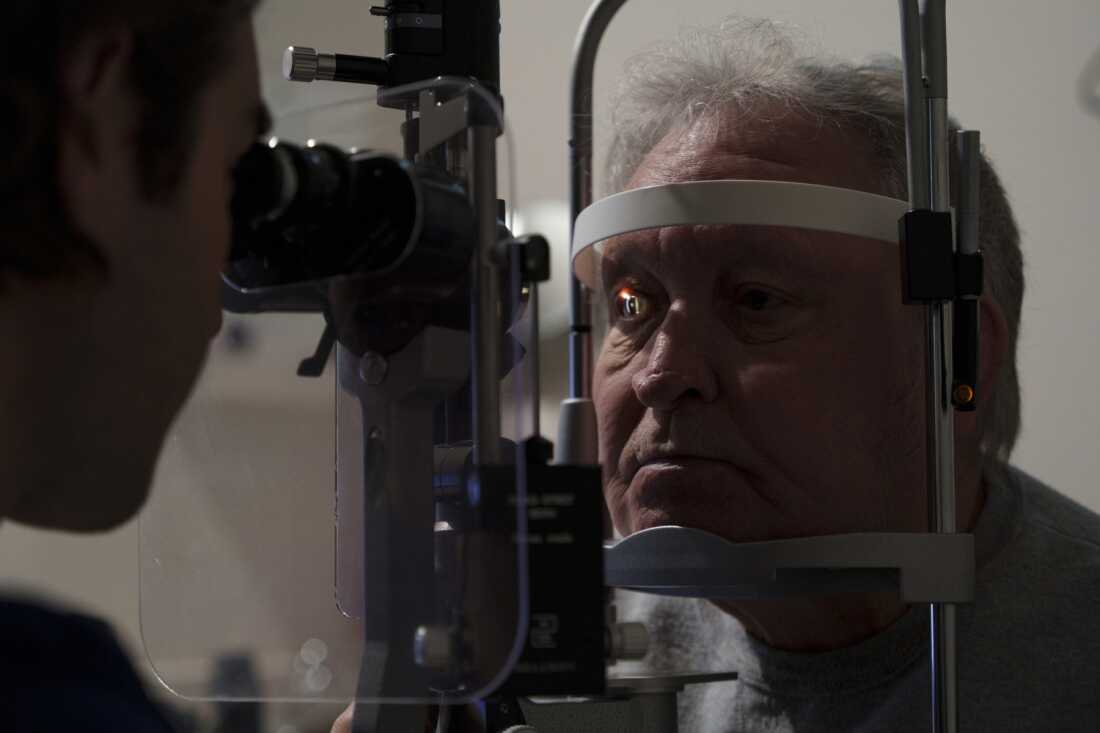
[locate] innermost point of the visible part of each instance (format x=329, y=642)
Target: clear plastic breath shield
x=356, y=528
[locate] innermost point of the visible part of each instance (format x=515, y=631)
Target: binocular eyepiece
x=305, y=215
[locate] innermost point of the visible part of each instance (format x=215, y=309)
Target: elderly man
x=767, y=383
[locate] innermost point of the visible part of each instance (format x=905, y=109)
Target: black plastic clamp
x=927, y=256
x=969, y=278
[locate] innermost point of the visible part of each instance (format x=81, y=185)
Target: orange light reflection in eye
x=631, y=304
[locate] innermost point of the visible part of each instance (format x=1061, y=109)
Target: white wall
x=1013, y=76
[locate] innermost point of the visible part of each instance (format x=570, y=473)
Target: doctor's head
x=122, y=122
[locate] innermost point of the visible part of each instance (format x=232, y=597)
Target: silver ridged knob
x=300, y=63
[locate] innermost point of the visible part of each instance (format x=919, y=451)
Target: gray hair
x=743, y=63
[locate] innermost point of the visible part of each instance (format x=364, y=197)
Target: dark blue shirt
x=66, y=672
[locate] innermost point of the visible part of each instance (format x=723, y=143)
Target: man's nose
x=678, y=368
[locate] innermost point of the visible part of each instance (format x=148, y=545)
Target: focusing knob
x=300, y=63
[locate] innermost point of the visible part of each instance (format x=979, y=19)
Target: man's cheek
x=213, y=223
x=614, y=436
x=617, y=500
x=787, y=414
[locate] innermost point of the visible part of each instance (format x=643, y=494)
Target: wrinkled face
x=759, y=382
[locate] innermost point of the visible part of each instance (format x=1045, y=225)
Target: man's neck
x=817, y=623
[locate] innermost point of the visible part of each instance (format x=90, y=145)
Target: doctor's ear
x=99, y=111
x=97, y=130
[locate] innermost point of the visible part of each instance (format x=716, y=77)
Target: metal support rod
x=941, y=150
x=967, y=309
x=941, y=460
x=925, y=51
x=933, y=14
x=941, y=433
x=969, y=145
x=485, y=318
x=580, y=167
x=941, y=466
x=916, y=113
x=533, y=354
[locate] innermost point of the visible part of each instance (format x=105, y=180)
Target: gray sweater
x=1029, y=646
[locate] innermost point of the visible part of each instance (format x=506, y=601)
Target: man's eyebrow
x=618, y=254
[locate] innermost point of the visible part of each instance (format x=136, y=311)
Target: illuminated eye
x=631, y=305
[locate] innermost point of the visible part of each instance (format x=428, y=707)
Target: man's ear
x=96, y=130
x=992, y=351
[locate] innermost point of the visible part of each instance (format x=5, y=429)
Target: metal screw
x=373, y=368
x=964, y=394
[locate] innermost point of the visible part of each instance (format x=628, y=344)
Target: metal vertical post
x=485, y=318
x=969, y=145
x=926, y=87
x=916, y=115
x=534, y=354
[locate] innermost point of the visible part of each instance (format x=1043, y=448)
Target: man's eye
x=630, y=305
x=758, y=300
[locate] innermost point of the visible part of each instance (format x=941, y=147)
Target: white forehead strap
x=754, y=203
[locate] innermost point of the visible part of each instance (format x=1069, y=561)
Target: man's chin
x=650, y=518
x=72, y=503
x=730, y=521
x=713, y=497
x=713, y=522
x=96, y=519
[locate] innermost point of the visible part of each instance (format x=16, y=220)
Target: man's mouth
x=682, y=462
x=677, y=460
x=682, y=478
x=688, y=491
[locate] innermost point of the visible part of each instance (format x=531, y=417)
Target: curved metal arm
x=577, y=429
x=580, y=166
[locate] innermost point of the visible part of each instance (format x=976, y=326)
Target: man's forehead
x=780, y=146
x=722, y=246
x=783, y=145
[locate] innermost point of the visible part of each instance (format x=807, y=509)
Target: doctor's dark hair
x=178, y=48
x=750, y=66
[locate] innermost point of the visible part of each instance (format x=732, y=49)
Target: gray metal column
x=929, y=187
x=485, y=319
